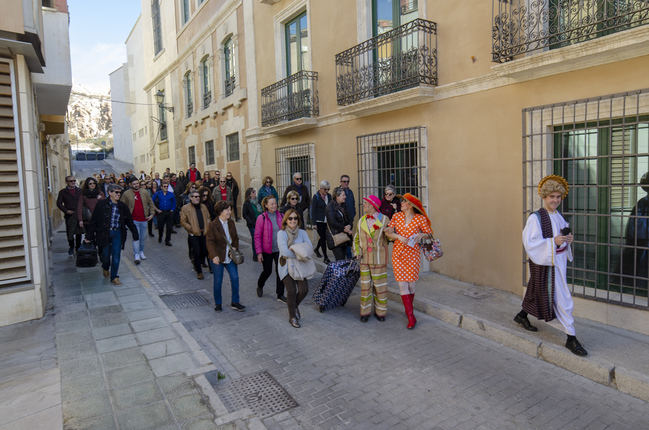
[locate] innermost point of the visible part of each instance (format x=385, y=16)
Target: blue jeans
x=233, y=272
x=111, y=253
x=138, y=245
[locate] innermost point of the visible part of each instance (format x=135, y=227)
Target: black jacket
x=249, y=214
x=337, y=219
x=303, y=191
x=99, y=228
x=319, y=207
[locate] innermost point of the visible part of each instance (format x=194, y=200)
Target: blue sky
x=98, y=30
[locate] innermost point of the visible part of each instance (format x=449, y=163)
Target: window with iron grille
x=229, y=66
x=185, y=10
x=397, y=158
x=205, y=82
x=209, y=152
x=157, y=26
x=162, y=118
x=189, y=105
x=232, y=144
x=601, y=147
x=292, y=159
x=191, y=155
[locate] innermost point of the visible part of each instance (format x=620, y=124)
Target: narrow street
x=345, y=374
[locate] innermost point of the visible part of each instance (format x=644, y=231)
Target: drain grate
x=260, y=392
x=183, y=301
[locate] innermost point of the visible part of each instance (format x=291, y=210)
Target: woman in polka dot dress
x=406, y=228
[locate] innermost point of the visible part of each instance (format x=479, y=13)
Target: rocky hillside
x=89, y=118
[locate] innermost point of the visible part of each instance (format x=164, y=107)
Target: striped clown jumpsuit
x=371, y=245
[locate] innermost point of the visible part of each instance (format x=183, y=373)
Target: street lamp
x=160, y=98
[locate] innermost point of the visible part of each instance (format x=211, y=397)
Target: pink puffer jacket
x=264, y=232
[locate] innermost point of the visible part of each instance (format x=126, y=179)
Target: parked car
x=81, y=156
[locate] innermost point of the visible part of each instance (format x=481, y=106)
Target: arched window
x=188, y=94
x=230, y=66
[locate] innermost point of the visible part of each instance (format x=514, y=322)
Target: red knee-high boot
x=407, y=305
x=412, y=309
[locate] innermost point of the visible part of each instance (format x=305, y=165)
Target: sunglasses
x=194, y=197
x=389, y=194
x=294, y=198
x=345, y=182
x=116, y=192
x=298, y=179
x=292, y=218
x=74, y=180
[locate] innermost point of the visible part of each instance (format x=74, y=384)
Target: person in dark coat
x=108, y=230
x=67, y=201
x=318, y=215
x=192, y=174
x=234, y=188
x=251, y=210
x=635, y=259
x=390, y=204
x=303, y=192
x=338, y=222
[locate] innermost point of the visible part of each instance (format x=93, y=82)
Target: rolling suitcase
x=87, y=255
x=338, y=281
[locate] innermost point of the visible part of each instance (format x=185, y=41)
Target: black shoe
x=260, y=291
x=380, y=318
x=575, y=347
x=238, y=307
x=525, y=323
x=71, y=251
x=281, y=299
x=317, y=253
x=294, y=322
x=326, y=260
x=218, y=308
x=168, y=243
x=365, y=318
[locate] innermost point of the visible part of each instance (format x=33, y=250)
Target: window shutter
x=12, y=243
x=623, y=168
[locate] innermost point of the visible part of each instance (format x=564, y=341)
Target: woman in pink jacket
x=268, y=224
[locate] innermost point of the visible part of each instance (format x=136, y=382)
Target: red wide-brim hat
x=417, y=204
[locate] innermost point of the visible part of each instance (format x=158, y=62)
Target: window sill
x=235, y=99
x=158, y=55
x=603, y=50
x=389, y=102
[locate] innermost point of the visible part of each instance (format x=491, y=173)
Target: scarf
x=199, y=215
x=91, y=194
x=292, y=235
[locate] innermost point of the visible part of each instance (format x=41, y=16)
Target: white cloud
x=90, y=67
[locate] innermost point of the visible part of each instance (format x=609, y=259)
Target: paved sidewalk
x=125, y=360
x=617, y=358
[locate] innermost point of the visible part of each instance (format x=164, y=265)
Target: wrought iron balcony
x=402, y=58
x=207, y=99
x=293, y=97
x=229, y=85
x=522, y=26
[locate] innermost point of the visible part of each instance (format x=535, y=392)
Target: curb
x=600, y=371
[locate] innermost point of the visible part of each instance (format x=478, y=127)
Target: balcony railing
x=291, y=98
x=402, y=58
x=189, y=108
x=207, y=99
x=229, y=85
x=522, y=26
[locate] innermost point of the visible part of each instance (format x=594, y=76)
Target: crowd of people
x=206, y=207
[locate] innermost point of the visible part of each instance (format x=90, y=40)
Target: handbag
x=338, y=238
x=86, y=215
x=431, y=247
x=235, y=255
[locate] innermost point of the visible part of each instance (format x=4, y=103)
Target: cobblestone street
x=345, y=374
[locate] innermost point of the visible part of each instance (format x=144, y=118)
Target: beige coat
x=372, y=246
x=147, y=203
x=189, y=220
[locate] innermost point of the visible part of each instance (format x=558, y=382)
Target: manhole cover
x=182, y=301
x=260, y=392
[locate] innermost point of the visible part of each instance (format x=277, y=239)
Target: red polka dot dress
x=405, y=259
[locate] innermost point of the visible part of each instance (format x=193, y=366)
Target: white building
x=33, y=140
x=122, y=143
